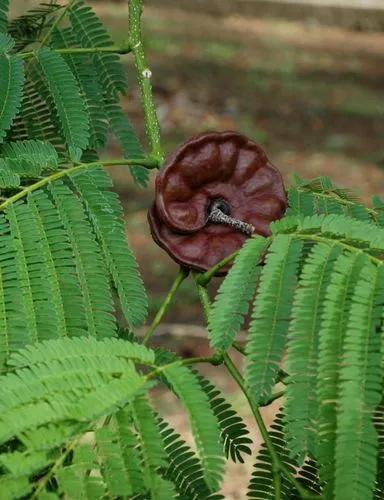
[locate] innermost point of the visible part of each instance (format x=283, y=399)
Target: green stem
x=182, y=274
x=83, y=50
x=152, y=126
x=276, y=395
x=277, y=466
x=239, y=348
x=204, y=278
x=145, y=162
x=281, y=373
x=213, y=360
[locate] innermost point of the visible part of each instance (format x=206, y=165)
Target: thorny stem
x=145, y=162
x=182, y=274
x=144, y=79
x=83, y=50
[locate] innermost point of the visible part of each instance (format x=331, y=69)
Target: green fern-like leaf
x=65, y=297
x=4, y=6
x=74, y=481
x=83, y=379
x=203, y=422
x=130, y=451
x=65, y=96
x=13, y=299
x=106, y=215
x=344, y=232
x=29, y=27
x=152, y=453
x=90, y=88
x=30, y=158
x=35, y=297
x=360, y=389
x=308, y=477
x=50, y=375
x=232, y=302
x=80, y=347
x=114, y=471
x=90, y=32
x=303, y=347
x=11, y=87
x=320, y=196
x=163, y=489
x=270, y=316
x=378, y=420
x=184, y=468
x=127, y=138
x=35, y=119
x=337, y=304
x=6, y=42
x=234, y=432
x=90, y=266
x=60, y=267
x=262, y=484
x=8, y=179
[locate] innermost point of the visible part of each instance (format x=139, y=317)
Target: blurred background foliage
x=303, y=78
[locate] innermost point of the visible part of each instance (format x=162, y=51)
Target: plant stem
x=152, y=126
x=213, y=360
x=83, y=50
x=145, y=162
x=281, y=373
x=204, y=278
x=182, y=274
x=277, y=466
x=276, y=395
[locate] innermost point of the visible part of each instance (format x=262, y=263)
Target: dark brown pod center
x=219, y=204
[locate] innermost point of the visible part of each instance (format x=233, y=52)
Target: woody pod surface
x=214, y=192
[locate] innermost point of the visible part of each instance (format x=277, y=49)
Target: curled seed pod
x=213, y=192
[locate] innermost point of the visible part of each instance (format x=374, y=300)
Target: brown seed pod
x=213, y=192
